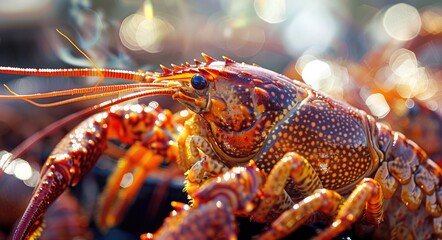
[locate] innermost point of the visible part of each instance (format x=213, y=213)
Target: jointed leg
x=366, y=196
x=205, y=164
x=274, y=196
x=323, y=200
x=113, y=201
x=201, y=171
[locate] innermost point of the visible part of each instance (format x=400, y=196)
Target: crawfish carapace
x=253, y=113
x=238, y=104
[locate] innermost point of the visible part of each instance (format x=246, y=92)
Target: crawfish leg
x=367, y=195
x=323, y=200
x=205, y=166
x=73, y=157
x=190, y=142
x=196, y=154
x=201, y=171
x=149, y=135
x=113, y=201
x=302, y=174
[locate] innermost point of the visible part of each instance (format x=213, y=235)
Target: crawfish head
x=238, y=103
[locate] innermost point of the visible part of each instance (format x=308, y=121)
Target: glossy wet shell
x=334, y=137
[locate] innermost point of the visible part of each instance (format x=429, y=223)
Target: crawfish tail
x=71, y=159
x=407, y=175
x=407, y=161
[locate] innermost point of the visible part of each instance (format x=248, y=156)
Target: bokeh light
x=271, y=11
x=127, y=180
x=432, y=20
x=312, y=29
x=402, y=22
x=409, y=78
x=316, y=73
x=5, y=157
x=33, y=180
x=22, y=170
x=138, y=32
x=19, y=168
x=378, y=105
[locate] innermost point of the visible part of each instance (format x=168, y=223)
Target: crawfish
x=244, y=112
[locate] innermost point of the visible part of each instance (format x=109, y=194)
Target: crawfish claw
x=214, y=220
x=71, y=159
x=52, y=184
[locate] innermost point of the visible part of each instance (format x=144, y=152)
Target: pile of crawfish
x=252, y=143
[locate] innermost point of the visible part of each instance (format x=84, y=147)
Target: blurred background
x=383, y=57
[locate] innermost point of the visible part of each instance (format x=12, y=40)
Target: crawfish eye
x=198, y=82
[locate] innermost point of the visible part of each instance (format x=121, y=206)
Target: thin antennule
x=83, y=98
x=76, y=91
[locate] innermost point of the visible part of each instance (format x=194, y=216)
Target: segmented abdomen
x=411, y=182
